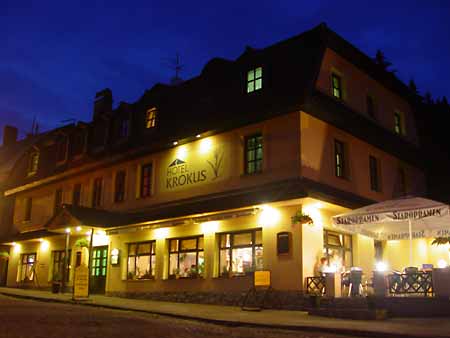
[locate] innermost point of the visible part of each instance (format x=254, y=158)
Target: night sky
x=54, y=56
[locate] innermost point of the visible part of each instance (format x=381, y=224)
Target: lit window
x=33, y=163
x=339, y=159
x=398, y=123
x=338, y=249
x=58, y=264
x=146, y=180
x=253, y=154
x=97, y=192
x=119, y=193
x=254, y=80
x=151, y=118
x=27, y=266
x=374, y=174
x=336, y=86
x=141, y=260
x=186, y=259
x=240, y=252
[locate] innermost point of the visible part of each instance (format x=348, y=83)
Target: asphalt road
x=27, y=318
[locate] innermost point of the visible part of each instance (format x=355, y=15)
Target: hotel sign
x=189, y=169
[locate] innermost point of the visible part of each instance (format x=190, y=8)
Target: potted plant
x=56, y=282
x=82, y=243
x=301, y=218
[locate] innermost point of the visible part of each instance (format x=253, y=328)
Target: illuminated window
x=374, y=174
x=398, y=123
x=119, y=192
x=33, y=163
x=27, y=266
x=253, y=154
x=240, y=252
x=186, y=259
x=254, y=80
x=141, y=260
x=339, y=159
x=336, y=86
x=146, y=180
x=58, y=201
x=76, y=197
x=28, y=205
x=58, y=264
x=338, y=249
x=97, y=192
x=150, y=118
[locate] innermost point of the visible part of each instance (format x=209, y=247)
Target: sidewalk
x=234, y=316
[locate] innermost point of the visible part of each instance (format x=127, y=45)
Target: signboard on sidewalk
x=262, y=278
x=81, y=283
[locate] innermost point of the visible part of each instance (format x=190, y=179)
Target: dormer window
x=399, y=123
x=78, y=143
x=33, y=163
x=150, y=118
x=254, y=80
x=336, y=86
x=61, y=149
x=124, y=128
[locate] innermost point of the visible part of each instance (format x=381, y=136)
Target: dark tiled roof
x=28, y=235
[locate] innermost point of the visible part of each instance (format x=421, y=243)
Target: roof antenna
x=177, y=67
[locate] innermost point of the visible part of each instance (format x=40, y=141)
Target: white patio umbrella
x=403, y=218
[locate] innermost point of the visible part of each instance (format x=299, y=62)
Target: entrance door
x=98, y=269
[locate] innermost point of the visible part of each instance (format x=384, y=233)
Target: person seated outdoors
x=321, y=267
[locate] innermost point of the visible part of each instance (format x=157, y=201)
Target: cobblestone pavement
x=27, y=318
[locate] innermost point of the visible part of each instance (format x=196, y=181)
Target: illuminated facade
x=193, y=187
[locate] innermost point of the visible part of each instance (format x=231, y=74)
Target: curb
x=229, y=323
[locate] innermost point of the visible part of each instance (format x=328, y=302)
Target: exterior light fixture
x=381, y=266
x=198, y=136
x=67, y=230
x=269, y=216
x=115, y=254
x=442, y=264
x=78, y=228
x=175, y=143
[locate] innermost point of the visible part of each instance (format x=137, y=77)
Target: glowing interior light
x=381, y=266
x=78, y=228
x=161, y=233
x=198, y=136
x=205, y=145
x=210, y=227
x=442, y=264
x=67, y=230
x=269, y=216
x=175, y=143
x=182, y=152
x=100, y=238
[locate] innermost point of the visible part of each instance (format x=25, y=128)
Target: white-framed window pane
x=143, y=267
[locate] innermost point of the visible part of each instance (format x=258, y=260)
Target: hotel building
x=193, y=187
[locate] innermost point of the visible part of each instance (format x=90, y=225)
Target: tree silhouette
x=382, y=62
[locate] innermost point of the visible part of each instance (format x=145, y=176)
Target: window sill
x=185, y=278
x=256, y=174
x=140, y=280
x=247, y=274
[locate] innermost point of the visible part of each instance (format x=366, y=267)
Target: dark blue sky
x=54, y=56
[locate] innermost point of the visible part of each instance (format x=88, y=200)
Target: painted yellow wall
x=317, y=153
x=396, y=253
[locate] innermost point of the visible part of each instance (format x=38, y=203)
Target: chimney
x=103, y=102
x=9, y=135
